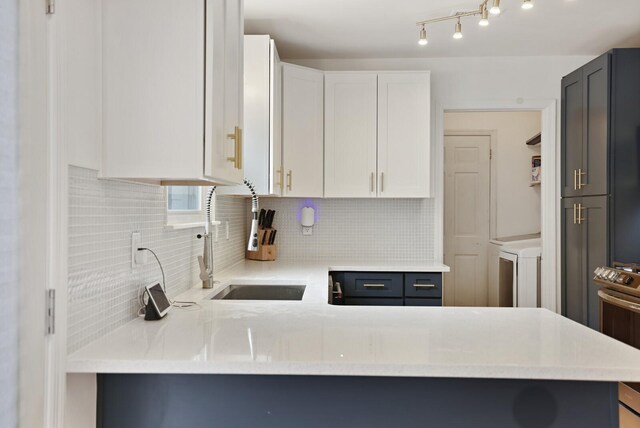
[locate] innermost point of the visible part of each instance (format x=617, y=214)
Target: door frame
x=493, y=198
x=550, y=186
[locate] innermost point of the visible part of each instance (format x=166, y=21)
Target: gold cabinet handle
x=381, y=182
x=575, y=219
x=575, y=179
x=280, y=183
x=237, y=138
x=373, y=285
x=580, y=174
x=580, y=218
x=424, y=285
x=289, y=180
x=373, y=184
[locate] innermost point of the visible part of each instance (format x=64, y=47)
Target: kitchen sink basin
x=260, y=292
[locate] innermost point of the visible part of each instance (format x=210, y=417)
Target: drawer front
x=375, y=284
x=423, y=285
x=416, y=301
x=370, y=301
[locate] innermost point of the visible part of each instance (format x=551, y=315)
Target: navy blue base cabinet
x=242, y=401
x=390, y=288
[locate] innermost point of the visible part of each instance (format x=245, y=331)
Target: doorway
x=488, y=193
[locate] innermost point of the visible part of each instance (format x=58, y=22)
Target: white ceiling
x=323, y=29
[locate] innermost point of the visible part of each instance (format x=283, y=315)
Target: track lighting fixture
x=458, y=34
x=483, y=11
x=423, y=37
x=484, y=21
x=495, y=9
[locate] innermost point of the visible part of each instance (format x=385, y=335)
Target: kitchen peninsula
x=308, y=363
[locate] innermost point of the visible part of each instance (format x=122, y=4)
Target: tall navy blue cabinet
x=600, y=175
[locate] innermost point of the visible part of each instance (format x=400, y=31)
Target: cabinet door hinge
x=51, y=7
x=490, y=154
x=50, y=315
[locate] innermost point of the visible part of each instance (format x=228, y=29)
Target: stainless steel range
x=620, y=318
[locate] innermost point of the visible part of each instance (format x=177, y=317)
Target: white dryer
x=514, y=271
x=519, y=272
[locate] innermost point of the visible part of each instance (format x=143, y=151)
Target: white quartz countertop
x=311, y=337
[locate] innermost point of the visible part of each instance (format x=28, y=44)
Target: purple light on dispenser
x=307, y=203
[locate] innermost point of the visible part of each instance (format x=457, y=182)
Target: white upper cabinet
x=404, y=117
x=79, y=81
x=350, y=135
x=262, y=147
x=172, y=91
x=302, y=131
x=377, y=135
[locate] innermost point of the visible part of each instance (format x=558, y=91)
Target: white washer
x=520, y=271
x=501, y=293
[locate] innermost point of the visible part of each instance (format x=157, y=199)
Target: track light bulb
x=423, y=37
x=527, y=4
x=495, y=9
x=484, y=21
x=458, y=33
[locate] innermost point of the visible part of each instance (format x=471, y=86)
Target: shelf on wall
x=535, y=140
x=534, y=183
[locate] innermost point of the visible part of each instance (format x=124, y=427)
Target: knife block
x=265, y=253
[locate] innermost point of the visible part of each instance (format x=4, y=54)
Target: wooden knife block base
x=265, y=253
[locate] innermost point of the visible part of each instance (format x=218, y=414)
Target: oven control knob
x=624, y=279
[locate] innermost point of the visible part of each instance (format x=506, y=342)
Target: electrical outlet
x=307, y=230
x=136, y=241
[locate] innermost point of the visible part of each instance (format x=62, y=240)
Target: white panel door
x=404, y=116
x=302, y=131
x=350, y=126
x=466, y=218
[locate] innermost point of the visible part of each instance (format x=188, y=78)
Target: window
x=184, y=198
x=186, y=206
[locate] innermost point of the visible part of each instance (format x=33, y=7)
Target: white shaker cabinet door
x=302, y=131
x=172, y=91
x=404, y=115
x=224, y=91
x=350, y=135
x=153, y=89
x=276, y=182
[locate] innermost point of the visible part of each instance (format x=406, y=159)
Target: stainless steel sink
x=260, y=292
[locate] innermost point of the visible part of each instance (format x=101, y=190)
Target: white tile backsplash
x=102, y=287
x=362, y=229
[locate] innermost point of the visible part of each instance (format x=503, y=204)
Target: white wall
x=518, y=204
x=463, y=80
x=9, y=214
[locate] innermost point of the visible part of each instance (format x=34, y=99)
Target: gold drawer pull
x=373, y=285
x=237, y=147
x=580, y=174
x=280, y=183
x=424, y=285
x=581, y=219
